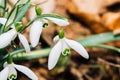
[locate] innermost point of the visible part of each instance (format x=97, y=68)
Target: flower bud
x=38, y=10
x=18, y=27
x=61, y=34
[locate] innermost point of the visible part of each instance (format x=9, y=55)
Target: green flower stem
x=92, y=41
x=45, y=52
x=32, y=54
x=13, y=53
x=9, y=59
x=27, y=25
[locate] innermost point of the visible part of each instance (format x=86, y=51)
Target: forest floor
x=103, y=64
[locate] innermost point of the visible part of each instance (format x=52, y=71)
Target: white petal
x=54, y=55
x=3, y=21
x=56, y=38
x=13, y=26
x=4, y=73
x=32, y=13
x=6, y=38
x=12, y=70
x=24, y=42
x=35, y=32
x=26, y=71
x=44, y=20
x=77, y=47
x=14, y=30
x=64, y=44
x=5, y=64
x=60, y=22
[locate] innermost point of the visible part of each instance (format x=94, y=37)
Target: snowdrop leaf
x=77, y=47
x=22, y=1
x=12, y=16
x=7, y=37
x=4, y=73
x=2, y=22
x=35, y=32
x=99, y=39
x=2, y=5
x=26, y=71
x=21, y=12
x=24, y=42
x=54, y=55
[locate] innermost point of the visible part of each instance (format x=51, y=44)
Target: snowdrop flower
x=63, y=46
x=9, y=72
x=36, y=28
x=7, y=37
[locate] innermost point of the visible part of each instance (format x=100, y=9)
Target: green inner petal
x=61, y=34
x=12, y=76
x=45, y=24
x=66, y=52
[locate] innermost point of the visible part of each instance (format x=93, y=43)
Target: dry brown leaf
x=93, y=20
x=93, y=6
x=112, y=21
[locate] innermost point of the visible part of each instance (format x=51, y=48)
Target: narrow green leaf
x=92, y=41
x=106, y=47
x=99, y=39
x=21, y=12
x=2, y=6
x=32, y=54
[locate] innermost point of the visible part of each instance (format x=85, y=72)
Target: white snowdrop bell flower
x=9, y=72
x=36, y=28
x=63, y=46
x=7, y=37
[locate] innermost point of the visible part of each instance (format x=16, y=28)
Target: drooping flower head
x=9, y=72
x=7, y=37
x=36, y=27
x=63, y=46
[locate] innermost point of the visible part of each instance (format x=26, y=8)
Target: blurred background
x=86, y=17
